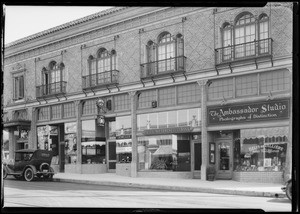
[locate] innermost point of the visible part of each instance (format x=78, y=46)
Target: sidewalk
x=195, y=185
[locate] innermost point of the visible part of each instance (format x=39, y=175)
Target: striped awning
x=264, y=132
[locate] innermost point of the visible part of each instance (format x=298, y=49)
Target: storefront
x=166, y=144
x=253, y=147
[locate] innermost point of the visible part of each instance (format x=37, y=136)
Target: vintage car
x=29, y=164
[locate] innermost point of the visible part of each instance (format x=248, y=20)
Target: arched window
x=166, y=52
x=165, y=55
x=263, y=28
x=242, y=39
x=226, y=41
x=52, y=78
x=244, y=35
x=102, y=69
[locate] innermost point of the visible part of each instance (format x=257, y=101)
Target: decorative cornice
x=66, y=25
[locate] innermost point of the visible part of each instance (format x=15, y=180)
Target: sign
x=186, y=129
x=270, y=110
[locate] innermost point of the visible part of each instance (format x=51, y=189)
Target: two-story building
x=157, y=92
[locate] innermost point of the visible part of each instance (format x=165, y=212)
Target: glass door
x=224, y=159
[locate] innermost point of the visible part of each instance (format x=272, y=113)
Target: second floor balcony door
x=245, y=37
x=166, y=54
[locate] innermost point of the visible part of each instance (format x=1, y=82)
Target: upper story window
x=18, y=84
x=53, y=74
x=248, y=36
x=102, y=69
x=52, y=80
x=165, y=55
x=105, y=61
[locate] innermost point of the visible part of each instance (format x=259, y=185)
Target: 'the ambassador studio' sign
x=269, y=110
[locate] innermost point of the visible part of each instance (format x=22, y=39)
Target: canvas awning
x=264, y=132
x=164, y=150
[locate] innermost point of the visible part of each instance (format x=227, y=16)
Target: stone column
x=134, y=161
x=33, y=137
x=204, y=140
x=78, y=113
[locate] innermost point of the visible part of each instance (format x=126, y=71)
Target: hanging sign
x=100, y=120
x=270, y=110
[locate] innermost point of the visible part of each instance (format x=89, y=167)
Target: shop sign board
x=269, y=110
x=174, y=130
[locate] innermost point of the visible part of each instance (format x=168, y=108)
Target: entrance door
x=112, y=157
x=197, y=159
x=224, y=159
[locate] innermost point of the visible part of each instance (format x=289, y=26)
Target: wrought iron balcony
x=243, y=51
x=100, y=79
x=162, y=67
x=50, y=89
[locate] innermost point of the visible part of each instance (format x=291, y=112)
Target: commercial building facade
x=157, y=92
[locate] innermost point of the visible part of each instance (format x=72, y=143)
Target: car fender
x=32, y=167
x=7, y=169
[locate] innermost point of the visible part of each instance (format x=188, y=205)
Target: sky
x=23, y=21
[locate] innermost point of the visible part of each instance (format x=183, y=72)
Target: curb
x=174, y=188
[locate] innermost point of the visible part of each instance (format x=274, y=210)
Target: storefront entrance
x=111, y=156
x=224, y=159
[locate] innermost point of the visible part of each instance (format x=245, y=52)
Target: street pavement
x=178, y=184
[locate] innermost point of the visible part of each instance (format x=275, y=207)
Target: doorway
x=112, y=156
x=224, y=159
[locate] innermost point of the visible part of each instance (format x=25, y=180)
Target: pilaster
x=204, y=145
x=78, y=113
x=134, y=161
x=33, y=137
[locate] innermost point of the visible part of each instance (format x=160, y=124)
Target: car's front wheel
x=28, y=174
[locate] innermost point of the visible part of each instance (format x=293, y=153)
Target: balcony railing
x=100, y=79
x=161, y=67
x=244, y=51
x=51, y=89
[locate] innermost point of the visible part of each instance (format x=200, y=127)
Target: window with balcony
x=247, y=37
x=52, y=80
x=165, y=56
x=102, y=69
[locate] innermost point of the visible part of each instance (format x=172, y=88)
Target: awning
x=264, y=132
x=15, y=123
x=164, y=150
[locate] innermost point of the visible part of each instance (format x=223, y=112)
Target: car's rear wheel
x=28, y=174
x=4, y=173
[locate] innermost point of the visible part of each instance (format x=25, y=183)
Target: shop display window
x=123, y=139
x=21, y=136
x=124, y=150
x=92, y=147
x=261, y=153
x=70, y=143
x=164, y=152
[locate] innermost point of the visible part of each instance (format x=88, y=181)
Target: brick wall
x=259, y=177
